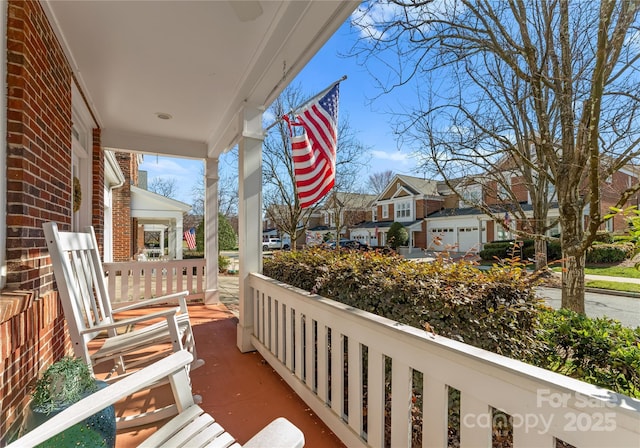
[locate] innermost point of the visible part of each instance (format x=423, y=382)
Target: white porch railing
x=311, y=341
x=136, y=280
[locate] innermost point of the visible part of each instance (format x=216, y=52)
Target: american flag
x=190, y=237
x=507, y=219
x=314, y=152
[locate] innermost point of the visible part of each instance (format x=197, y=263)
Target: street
x=622, y=308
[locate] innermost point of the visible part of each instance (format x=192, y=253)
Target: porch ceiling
x=199, y=61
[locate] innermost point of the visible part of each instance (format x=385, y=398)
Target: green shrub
x=227, y=238
x=609, y=253
x=603, y=236
x=397, y=235
x=223, y=263
x=495, y=310
x=597, y=350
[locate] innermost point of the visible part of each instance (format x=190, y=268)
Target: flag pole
x=307, y=102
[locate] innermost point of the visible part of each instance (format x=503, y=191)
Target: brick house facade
x=39, y=189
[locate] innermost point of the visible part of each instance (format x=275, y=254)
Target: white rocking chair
x=87, y=307
x=192, y=427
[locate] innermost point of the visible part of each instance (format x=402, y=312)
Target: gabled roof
x=147, y=201
x=415, y=186
x=353, y=200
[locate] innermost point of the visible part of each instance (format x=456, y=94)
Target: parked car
x=274, y=243
x=349, y=244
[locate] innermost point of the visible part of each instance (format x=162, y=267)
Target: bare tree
x=377, y=182
x=548, y=86
x=164, y=186
x=280, y=198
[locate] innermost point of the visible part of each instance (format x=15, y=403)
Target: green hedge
x=609, y=253
x=504, y=249
x=495, y=310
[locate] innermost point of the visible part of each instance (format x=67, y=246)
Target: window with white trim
x=385, y=211
x=403, y=210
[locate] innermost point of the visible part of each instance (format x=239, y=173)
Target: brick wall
x=97, y=192
x=122, y=223
x=38, y=190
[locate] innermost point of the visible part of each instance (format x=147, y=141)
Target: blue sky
x=368, y=116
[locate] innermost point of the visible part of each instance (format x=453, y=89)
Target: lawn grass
x=611, y=271
x=615, y=286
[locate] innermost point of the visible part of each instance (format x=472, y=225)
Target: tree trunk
x=573, y=253
x=540, y=251
x=573, y=282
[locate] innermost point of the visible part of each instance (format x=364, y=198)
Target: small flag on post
x=314, y=152
x=507, y=219
x=190, y=238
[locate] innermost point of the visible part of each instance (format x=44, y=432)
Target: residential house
x=439, y=219
x=342, y=212
x=408, y=200
x=465, y=228
x=139, y=212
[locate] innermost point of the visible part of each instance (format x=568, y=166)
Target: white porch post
x=250, y=217
x=211, y=293
x=175, y=244
x=171, y=228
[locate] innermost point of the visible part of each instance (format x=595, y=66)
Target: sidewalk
x=229, y=292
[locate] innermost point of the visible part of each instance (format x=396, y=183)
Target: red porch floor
x=241, y=391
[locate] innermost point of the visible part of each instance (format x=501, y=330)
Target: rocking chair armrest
x=166, y=314
x=167, y=367
x=280, y=432
x=181, y=296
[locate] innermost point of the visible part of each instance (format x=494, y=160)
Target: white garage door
x=442, y=238
x=467, y=239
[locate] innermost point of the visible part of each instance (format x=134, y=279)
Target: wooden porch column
x=250, y=217
x=211, y=293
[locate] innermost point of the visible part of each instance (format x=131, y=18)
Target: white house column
x=175, y=239
x=211, y=293
x=171, y=229
x=250, y=218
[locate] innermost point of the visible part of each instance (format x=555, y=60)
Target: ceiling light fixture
x=164, y=116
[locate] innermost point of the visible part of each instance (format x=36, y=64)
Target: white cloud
x=372, y=17
x=395, y=156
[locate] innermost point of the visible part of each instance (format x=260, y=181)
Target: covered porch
x=195, y=81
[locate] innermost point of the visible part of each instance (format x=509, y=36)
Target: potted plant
x=65, y=382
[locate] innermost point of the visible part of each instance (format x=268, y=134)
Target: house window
x=326, y=218
x=471, y=195
x=608, y=225
x=385, y=211
x=403, y=210
x=374, y=214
